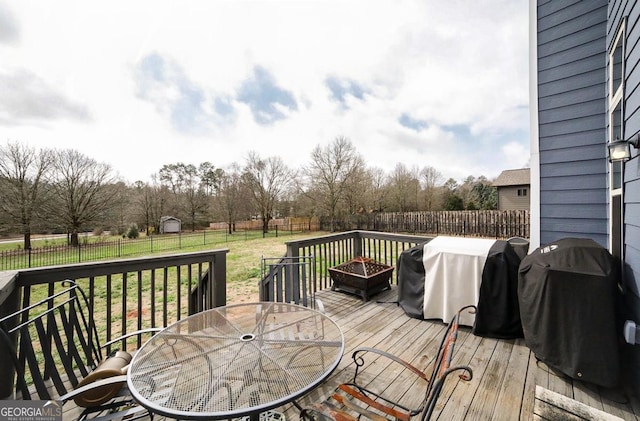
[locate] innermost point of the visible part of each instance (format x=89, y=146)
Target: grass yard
x=49, y=251
x=243, y=274
x=243, y=264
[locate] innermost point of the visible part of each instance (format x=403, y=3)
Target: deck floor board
x=513, y=384
x=528, y=394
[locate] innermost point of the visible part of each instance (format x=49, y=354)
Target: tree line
x=50, y=190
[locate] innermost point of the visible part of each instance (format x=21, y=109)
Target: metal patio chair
x=56, y=354
x=366, y=398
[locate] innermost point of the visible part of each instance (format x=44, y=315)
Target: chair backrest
x=442, y=365
x=53, y=343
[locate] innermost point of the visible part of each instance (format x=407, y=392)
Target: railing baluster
x=123, y=329
x=165, y=284
x=108, y=313
x=139, y=325
x=153, y=297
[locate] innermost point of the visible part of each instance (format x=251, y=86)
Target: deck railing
x=129, y=294
x=327, y=251
x=289, y=277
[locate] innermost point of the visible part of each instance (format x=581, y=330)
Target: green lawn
x=243, y=259
x=53, y=251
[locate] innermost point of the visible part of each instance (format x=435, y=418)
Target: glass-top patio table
x=235, y=361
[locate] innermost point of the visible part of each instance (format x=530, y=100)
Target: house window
x=616, y=64
x=522, y=192
x=616, y=103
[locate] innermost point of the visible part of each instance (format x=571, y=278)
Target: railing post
x=10, y=304
x=292, y=277
x=219, y=279
x=357, y=245
x=263, y=287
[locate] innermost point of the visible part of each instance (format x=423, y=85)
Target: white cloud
x=28, y=99
x=9, y=31
x=458, y=67
x=515, y=154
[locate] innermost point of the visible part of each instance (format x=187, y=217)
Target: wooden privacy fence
x=480, y=223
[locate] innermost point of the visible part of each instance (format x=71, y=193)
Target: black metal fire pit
x=361, y=276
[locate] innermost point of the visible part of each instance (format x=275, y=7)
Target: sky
x=140, y=84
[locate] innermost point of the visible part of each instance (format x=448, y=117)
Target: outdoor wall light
x=620, y=150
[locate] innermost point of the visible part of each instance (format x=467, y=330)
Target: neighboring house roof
x=169, y=218
x=519, y=177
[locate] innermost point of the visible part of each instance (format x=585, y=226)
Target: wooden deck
x=508, y=382
x=506, y=372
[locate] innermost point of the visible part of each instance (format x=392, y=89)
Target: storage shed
x=170, y=224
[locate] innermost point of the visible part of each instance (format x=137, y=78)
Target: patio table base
x=268, y=416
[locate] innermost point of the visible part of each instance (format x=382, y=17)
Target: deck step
x=550, y=405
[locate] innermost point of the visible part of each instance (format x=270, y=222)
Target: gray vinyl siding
x=631, y=124
x=632, y=231
x=574, y=38
x=572, y=119
x=618, y=10
x=631, y=275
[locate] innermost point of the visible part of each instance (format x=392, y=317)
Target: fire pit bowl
x=361, y=276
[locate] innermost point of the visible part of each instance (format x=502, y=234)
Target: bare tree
x=378, y=188
x=267, y=179
x=83, y=190
x=329, y=174
x=231, y=196
x=355, y=192
x=171, y=180
x=150, y=200
x=189, y=192
x=22, y=173
x=120, y=214
x=431, y=181
x=404, y=186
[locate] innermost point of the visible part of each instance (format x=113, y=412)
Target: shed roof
x=518, y=177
